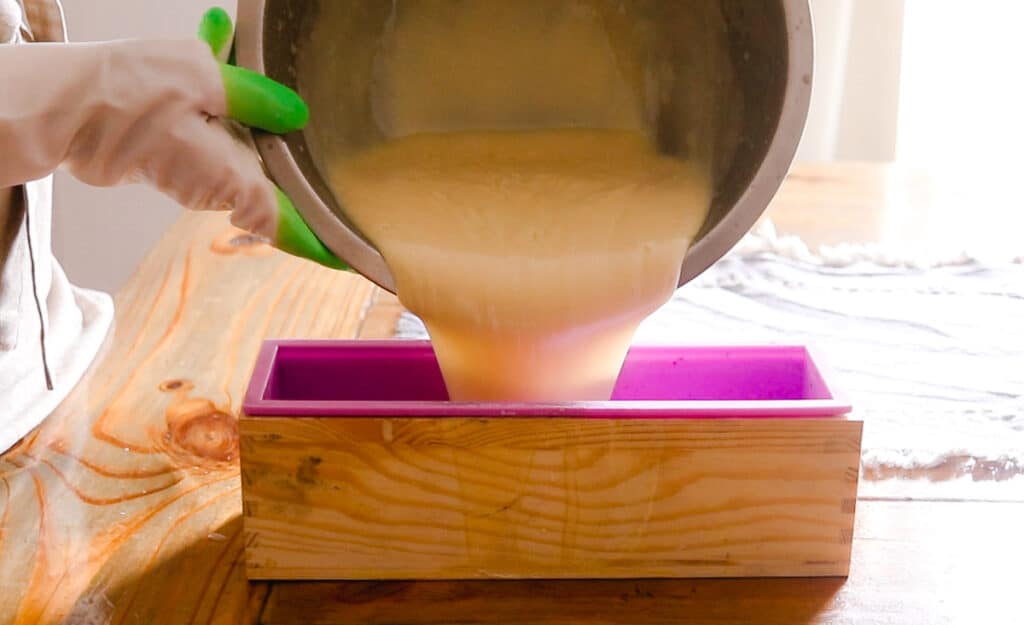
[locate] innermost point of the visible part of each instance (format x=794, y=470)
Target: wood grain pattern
x=124, y=507
x=459, y=498
x=914, y=563
x=928, y=550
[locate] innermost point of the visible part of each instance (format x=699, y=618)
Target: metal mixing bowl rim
x=737, y=221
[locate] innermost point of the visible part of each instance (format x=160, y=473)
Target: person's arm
x=148, y=111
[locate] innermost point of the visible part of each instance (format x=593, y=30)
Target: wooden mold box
x=708, y=462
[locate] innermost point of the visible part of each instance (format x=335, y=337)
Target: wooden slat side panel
x=914, y=563
x=473, y=498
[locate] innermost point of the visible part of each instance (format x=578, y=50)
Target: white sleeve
x=129, y=111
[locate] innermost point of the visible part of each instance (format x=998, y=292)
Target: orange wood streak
x=31, y=606
x=132, y=528
x=130, y=474
x=19, y=449
x=163, y=540
x=233, y=544
x=320, y=305
x=129, y=425
x=233, y=346
x=100, y=426
x=124, y=308
x=106, y=501
x=282, y=295
x=143, y=330
x=235, y=569
x=291, y=303
x=103, y=545
x=7, y=511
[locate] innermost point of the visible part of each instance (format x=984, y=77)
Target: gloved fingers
x=105, y=110
x=207, y=168
x=218, y=32
x=296, y=238
x=252, y=98
x=259, y=102
x=202, y=167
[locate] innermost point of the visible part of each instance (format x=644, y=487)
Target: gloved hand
x=156, y=112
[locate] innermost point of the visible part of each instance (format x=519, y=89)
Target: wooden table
x=124, y=506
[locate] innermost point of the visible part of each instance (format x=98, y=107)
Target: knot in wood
x=200, y=428
x=168, y=386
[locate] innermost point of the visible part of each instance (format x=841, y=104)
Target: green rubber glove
x=260, y=102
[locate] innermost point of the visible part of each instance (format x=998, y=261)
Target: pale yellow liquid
x=530, y=256
x=531, y=228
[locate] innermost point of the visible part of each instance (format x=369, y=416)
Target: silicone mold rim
x=259, y=401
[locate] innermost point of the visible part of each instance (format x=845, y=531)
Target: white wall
x=101, y=235
x=855, y=103
x=964, y=87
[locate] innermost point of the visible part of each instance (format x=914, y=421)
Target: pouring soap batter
x=520, y=198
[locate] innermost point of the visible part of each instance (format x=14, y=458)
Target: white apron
x=50, y=331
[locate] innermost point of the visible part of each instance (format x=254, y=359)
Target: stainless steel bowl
x=769, y=44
